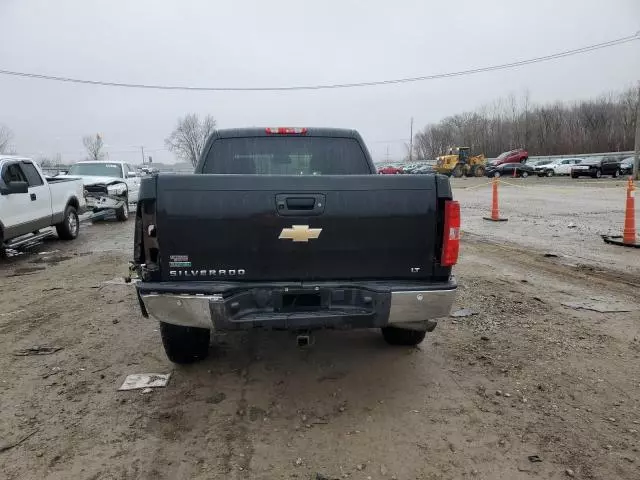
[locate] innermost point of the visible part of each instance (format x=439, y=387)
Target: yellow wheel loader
x=459, y=163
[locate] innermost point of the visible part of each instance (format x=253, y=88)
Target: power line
x=519, y=63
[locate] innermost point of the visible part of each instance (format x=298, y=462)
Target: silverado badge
x=300, y=233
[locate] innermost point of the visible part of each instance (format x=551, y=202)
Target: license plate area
x=302, y=301
x=275, y=304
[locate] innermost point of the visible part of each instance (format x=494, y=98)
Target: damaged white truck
x=30, y=203
x=108, y=186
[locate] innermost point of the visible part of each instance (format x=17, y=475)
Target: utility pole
x=142, y=150
x=411, y=142
x=387, y=157
x=636, y=162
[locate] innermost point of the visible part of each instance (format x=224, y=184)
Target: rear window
x=289, y=155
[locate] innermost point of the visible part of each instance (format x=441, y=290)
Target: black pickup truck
x=291, y=228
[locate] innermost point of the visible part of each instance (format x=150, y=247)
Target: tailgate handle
x=300, y=203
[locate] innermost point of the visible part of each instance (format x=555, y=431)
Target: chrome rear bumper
x=415, y=310
x=185, y=310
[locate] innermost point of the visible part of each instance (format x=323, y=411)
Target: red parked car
x=519, y=155
x=390, y=170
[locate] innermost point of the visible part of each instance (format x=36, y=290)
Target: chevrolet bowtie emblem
x=300, y=233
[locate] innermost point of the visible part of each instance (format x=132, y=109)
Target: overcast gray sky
x=292, y=42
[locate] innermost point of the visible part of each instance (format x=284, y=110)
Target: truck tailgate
x=297, y=228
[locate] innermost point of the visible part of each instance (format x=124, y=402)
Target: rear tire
x=479, y=171
x=598, y=174
x=457, y=172
x=70, y=225
x=400, y=336
x=184, y=344
x=122, y=214
x=616, y=174
x=496, y=174
x=524, y=174
x=550, y=173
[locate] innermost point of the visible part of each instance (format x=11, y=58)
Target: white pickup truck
x=29, y=202
x=108, y=185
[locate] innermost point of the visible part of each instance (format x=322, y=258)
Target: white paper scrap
x=145, y=380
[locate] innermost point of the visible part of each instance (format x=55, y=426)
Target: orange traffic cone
x=495, y=212
x=629, y=232
x=629, y=236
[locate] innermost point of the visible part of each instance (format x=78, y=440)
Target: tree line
x=604, y=124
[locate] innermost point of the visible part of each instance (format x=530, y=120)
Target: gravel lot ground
x=525, y=376
x=558, y=215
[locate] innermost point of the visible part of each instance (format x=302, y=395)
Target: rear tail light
x=451, y=233
x=286, y=131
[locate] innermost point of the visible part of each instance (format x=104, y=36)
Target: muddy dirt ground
x=526, y=388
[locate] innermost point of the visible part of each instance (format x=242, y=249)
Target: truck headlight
x=117, y=189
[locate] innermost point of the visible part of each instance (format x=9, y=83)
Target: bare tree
x=94, y=146
x=6, y=135
x=45, y=162
x=188, y=138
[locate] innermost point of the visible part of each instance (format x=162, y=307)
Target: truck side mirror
x=15, y=187
x=132, y=174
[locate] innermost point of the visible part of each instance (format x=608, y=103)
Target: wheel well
x=73, y=201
